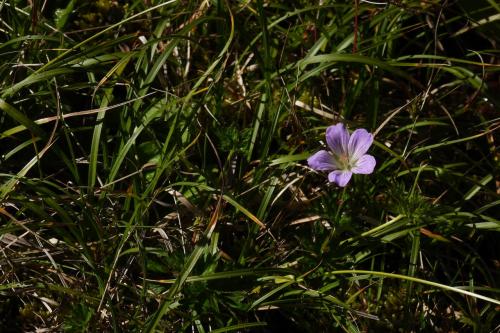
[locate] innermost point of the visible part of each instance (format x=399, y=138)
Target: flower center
x=343, y=162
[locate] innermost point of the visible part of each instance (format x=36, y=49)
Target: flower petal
x=364, y=165
x=359, y=143
x=322, y=161
x=337, y=138
x=339, y=177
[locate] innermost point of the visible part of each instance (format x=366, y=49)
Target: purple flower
x=347, y=154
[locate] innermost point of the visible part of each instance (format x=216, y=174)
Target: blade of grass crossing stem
x=416, y=280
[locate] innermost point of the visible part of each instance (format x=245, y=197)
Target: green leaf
x=62, y=15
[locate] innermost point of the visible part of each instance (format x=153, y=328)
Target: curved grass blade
x=416, y=280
